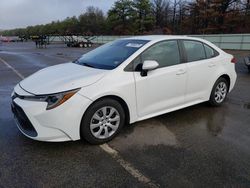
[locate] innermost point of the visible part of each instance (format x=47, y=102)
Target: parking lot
x=199, y=146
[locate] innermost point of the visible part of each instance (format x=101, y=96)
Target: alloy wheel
x=220, y=92
x=105, y=122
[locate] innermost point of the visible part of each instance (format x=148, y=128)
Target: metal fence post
x=242, y=40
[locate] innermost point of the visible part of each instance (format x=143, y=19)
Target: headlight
x=53, y=100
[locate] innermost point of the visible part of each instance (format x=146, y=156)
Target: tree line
x=134, y=17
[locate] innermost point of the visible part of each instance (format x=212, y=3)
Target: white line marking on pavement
x=112, y=152
x=12, y=68
x=127, y=166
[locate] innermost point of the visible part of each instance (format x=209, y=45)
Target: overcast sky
x=22, y=13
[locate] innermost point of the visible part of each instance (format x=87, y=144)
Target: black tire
x=212, y=99
x=85, y=129
x=248, y=67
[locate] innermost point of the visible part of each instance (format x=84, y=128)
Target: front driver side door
x=164, y=88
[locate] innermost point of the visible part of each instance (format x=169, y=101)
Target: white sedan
x=121, y=82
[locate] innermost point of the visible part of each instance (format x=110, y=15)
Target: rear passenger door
x=201, y=67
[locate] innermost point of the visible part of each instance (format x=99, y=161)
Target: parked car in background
x=247, y=62
x=121, y=82
x=9, y=38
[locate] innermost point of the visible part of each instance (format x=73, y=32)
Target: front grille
x=23, y=122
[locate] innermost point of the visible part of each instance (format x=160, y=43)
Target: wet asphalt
x=199, y=146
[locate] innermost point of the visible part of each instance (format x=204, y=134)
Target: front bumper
x=23, y=121
x=59, y=124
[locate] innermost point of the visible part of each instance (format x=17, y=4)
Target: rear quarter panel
x=226, y=67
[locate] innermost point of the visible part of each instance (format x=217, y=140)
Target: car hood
x=60, y=78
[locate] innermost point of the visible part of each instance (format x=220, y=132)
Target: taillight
x=233, y=60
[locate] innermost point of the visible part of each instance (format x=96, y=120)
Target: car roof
x=162, y=37
x=157, y=38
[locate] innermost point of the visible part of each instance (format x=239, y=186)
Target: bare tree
x=175, y=3
x=158, y=7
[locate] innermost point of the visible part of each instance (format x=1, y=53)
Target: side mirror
x=149, y=65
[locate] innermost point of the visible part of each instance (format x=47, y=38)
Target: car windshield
x=111, y=55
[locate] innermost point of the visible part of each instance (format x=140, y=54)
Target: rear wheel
x=248, y=68
x=102, y=121
x=219, y=92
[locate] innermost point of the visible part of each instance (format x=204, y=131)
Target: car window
x=209, y=51
x=165, y=53
x=194, y=50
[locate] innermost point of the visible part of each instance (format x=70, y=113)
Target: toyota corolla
x=121, y=82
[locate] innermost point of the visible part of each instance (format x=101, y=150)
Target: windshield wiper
x=75, y=61
x=88, y=65
x=85, y=64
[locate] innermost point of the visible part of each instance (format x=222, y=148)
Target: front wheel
x=219, y=92
x=102, y=121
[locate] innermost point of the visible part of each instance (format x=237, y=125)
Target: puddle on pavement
x=239, y=102
x=37, y=53
x=27, y=58
x=4, y=91
x=175, y=128
x=247, y=105
x=146, y=133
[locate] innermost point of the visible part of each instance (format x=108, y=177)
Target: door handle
x=181, y=71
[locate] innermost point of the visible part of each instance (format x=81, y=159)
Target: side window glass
x=194, y=50
x=209, y=51
x=165, y=53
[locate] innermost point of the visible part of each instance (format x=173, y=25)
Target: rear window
x=194, y=50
